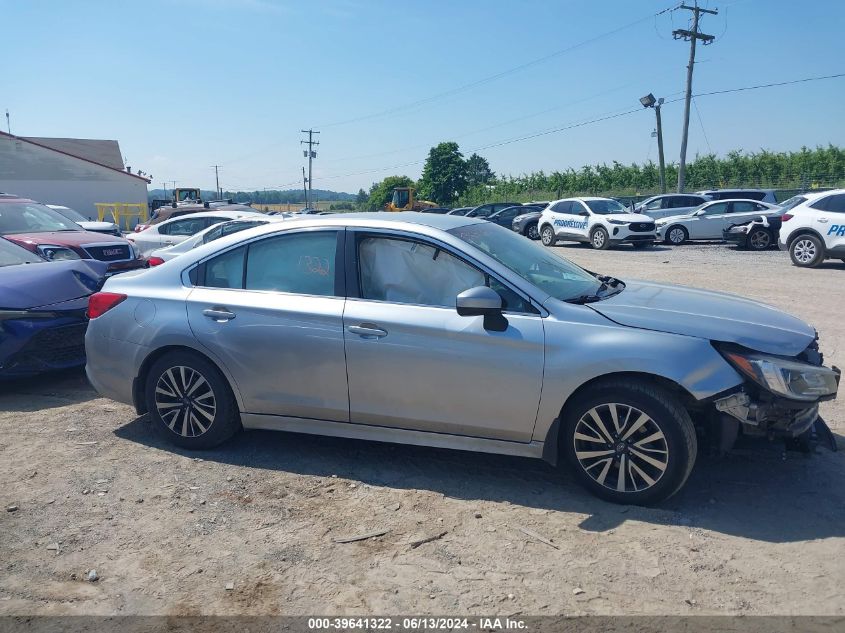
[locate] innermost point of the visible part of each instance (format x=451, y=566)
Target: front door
x=709, y=225
x=272, y=312
x=413, y=363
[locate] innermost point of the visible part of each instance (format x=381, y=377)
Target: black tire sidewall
x=543, y=232
x=226, y=419
x=527, y=232
x=681, y=458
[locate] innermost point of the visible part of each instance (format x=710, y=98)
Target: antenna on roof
x=8, y=125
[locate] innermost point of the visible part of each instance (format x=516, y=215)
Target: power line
x=499, y=75
x=701, y=123
x=592, y=121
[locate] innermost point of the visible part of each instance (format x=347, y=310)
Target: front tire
x=599, y=239
x=806, y=251
x=547, y=236
x=759, y=240
x=676, y=235
x=190, y=402
x=628, y=441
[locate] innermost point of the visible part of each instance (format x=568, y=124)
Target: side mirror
x=483, y=301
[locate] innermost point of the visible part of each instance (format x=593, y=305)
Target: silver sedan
x=449, y=331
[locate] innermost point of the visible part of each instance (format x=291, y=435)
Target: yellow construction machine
x=404, y=199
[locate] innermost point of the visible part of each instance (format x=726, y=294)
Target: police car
x=814, y=230
x=600, y=221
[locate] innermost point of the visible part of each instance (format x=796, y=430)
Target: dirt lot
x=167, y=531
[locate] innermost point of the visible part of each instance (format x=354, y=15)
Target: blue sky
x=185, y=84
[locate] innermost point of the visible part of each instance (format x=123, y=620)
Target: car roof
x=10, y=197
x=709, y=202
x=226, y=215
x=435, y=220
x=582, y=199
x=818, y=194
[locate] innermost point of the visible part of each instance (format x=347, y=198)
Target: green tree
x=478, y=171
x=361, y=199
x=444, y=176
x=382, y=192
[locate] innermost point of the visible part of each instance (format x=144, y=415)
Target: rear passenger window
x=562, y=207
x=226, y=270
x=301, y=263
x=834, y=203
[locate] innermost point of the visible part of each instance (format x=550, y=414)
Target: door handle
x=367, y=330
x=823, y=220
x=221, y=315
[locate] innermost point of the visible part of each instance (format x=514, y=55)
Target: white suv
x=600, y=221
x=815, y=229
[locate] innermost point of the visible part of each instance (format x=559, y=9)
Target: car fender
x=801, y=230
x=580, y=352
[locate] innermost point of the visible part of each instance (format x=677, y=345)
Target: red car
x=43, y=231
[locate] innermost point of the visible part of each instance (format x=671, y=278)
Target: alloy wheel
x=621, y=448
x=185, y=401
x=598, y=239
x=760, y=240
x=805, y=251
x=676, y=236
x=532, y=232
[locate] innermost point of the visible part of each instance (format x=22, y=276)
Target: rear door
x=744, y=211
x=271, y=311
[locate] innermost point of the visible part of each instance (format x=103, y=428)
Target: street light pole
x=649, y=101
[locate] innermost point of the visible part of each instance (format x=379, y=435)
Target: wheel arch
x=804, y=230
x=139, y=384
x=551, y=442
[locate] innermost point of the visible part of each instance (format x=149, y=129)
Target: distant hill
x=269, y=196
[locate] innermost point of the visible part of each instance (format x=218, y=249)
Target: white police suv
x=600, y=221
x=814, y=230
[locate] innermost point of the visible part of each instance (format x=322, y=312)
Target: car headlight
x=617, y=222
x=57, y=253
x=788, y=378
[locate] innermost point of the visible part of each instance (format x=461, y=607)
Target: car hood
x=675, y=218
x=705, y=314
x=626, y=217
x=43, y=285
x=75, y=239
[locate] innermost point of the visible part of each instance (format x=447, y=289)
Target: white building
x=76, y=173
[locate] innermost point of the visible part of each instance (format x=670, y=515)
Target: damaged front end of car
x=779, y=398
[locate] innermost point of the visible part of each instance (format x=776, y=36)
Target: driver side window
x=409, y=272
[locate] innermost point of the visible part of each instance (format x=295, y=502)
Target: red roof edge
x=87, y=160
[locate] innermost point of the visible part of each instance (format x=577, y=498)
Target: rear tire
x=676, y=235
x=531, y=232
x=547, y=236
x=599, y=239
x=759, y=240
x=806, y=251
x=628, y=441
x=190, y=401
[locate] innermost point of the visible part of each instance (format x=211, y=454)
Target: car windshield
x=560, y=278
x=12, y=255
x=227, y=228
x=31, y=217
x=603, y=207
x=794, y=201
x=70, y=214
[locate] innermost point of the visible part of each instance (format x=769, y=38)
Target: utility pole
x=8, y=123
x=164, y=189
x=305, y=187
x=217, y=181
x=649, y=101
x=310, y=154
x=692, y=36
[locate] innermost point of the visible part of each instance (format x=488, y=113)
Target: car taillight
x=786, y=217
x=155, y=261
x=101, y=302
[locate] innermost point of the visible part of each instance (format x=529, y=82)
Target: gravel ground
x=249, y=528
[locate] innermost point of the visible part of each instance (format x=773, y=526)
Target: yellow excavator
x=404, y=199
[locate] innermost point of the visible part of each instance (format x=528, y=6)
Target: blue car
x=42, y=310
